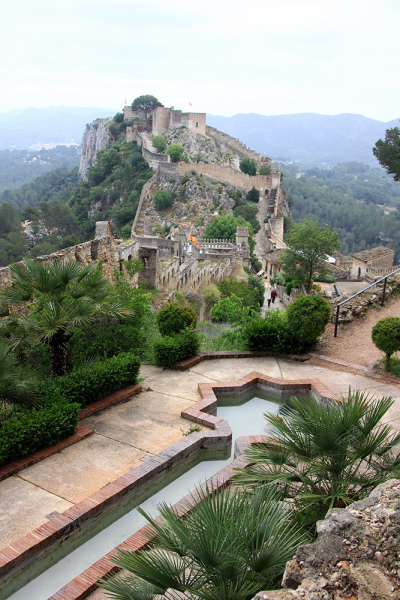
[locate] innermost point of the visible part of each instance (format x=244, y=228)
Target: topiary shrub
x=386, y=337
x=27, y=432
x=307, y=318
x=270, y=334
x=91, y=383
x=172, y=349
x=173, y=318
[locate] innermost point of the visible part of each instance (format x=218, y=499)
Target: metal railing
x=361, y=292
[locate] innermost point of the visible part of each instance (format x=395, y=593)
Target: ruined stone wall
x=196, y=122
x=152, y=182
x=194, y=274
x=355, y=557
x=235, y=145
x=104, y=249
x=225, y=174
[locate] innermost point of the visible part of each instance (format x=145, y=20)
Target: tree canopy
x=308, y=246
x=146, y=103
x=388, y=152
x=249, y=166
x=224, y=228
x=175, y=151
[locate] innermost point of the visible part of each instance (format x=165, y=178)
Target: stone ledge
x=115, y=398
x=186, y=364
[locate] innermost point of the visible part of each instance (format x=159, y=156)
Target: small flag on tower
x=190, y=104
x=126, y=103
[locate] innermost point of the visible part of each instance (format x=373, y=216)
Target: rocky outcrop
x=360, y=304
x=95, y=137
x=203, y=149
x=356, y=555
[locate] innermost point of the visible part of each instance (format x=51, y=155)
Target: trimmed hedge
x=172, y=349
x=174, y=318
x=28, y=432
x=270, y=334
x=91, y=383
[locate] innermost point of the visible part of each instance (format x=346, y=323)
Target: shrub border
x=48, y=536
x=13, y=467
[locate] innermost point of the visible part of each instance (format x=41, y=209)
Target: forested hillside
x=63, y=211
x=361, y=203
x=23, y=166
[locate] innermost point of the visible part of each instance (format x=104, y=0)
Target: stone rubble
x=355, y=557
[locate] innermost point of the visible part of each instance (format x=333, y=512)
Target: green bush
x=93, y=382
x=307, y=318
x=386, y=336
x=251, y=292
x=249, y=166
x=175, y=151
x=162, y=199
x=172, y=349
x=27, y=432
x=264, y=170
x=253, y=195
x=173, y=318
x=159, y=142
x=270, y=334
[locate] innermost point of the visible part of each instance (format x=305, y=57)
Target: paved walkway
x=277, y=304
x=143, y=426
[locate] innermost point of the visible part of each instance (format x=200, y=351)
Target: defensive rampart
x=235, y=145
x=225, y=174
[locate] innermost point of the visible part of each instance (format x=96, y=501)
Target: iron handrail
x=361, y=292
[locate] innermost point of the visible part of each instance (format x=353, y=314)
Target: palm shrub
x=229, y=545
x=19, y=384
x=325, y=455
x=61, y=296
x=386, y=337
x=173, y=318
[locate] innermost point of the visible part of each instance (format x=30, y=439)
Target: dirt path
x=354, y=343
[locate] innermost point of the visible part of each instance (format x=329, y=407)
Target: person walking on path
x=273, y=295
x=269, y=302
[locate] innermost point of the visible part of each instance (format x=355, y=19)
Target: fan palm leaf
x=326, y=454
x=62, y=296
x=228, y=545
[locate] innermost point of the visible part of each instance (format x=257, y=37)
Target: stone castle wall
x=225, y=174
x=235, y=145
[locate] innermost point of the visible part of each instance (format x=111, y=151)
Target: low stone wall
x=360, y=304
x=356, y=555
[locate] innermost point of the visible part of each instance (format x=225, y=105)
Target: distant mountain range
x=53, y=125
x=309, y=138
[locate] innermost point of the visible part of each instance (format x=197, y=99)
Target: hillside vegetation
x=22, y=166
x=361, y=203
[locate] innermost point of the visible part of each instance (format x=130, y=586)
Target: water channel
x=245, y=417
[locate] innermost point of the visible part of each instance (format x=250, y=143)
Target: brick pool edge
x=16, y=557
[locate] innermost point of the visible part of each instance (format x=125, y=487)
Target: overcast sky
x=224, y=57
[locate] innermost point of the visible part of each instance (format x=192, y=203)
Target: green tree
x=224, y=228
x=175, y=151
x=264, y=170
x=162, y=199
x=388, y=152
x=386, y=337
x=248, y=165
x=308, y=246
x=174, y=318
x=249, y=213
x=307, y=318
x=228, y=545
x=325, y=455
x=159, y=142
x=253, y=195
x=62, y=296
x=146, y=103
